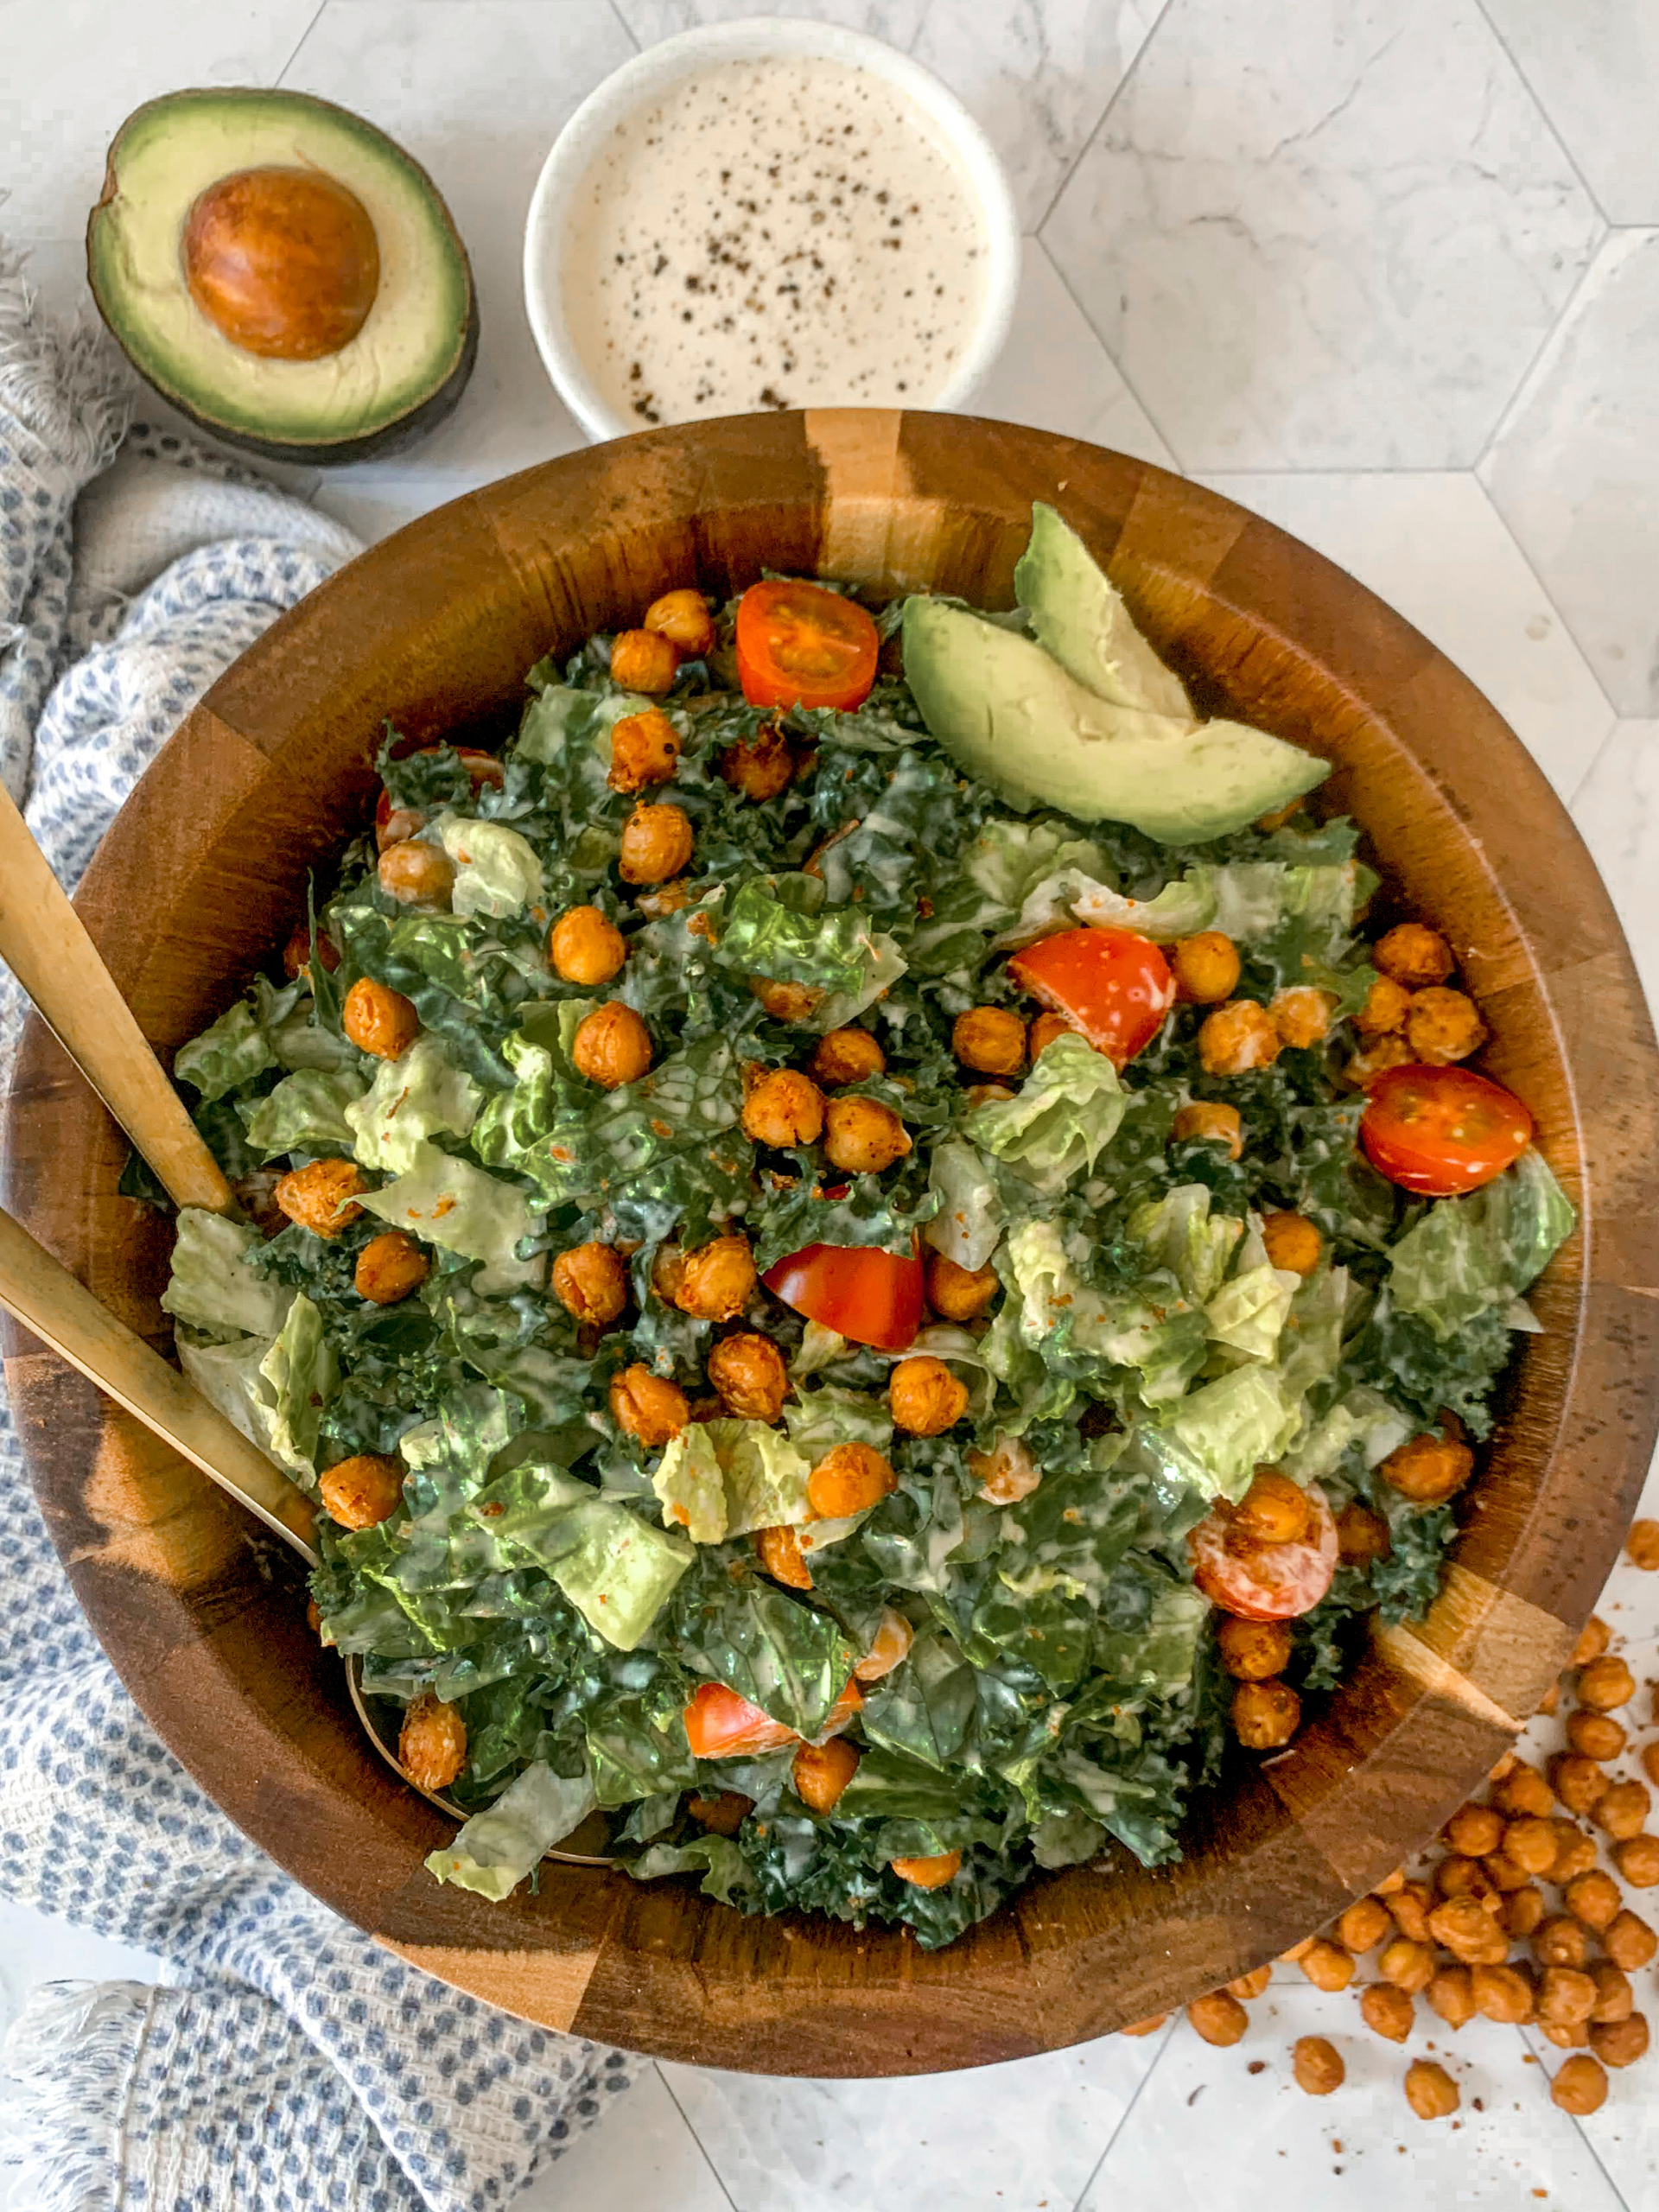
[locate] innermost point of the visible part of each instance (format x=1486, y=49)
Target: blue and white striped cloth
x=288, y=2063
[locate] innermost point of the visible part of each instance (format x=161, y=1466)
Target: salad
x=874, y=1272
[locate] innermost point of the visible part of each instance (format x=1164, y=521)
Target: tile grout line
x=1513, y=404
x=626, y=27
x=1067, y=287
x=276, y=80
x=1170, y=2033
x=1503, y=522
x=1618, y=2196
x=1099, y=123
x=1567, y=155
x=714, y=2170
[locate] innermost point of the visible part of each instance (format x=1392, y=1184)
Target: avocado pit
x=283, y=262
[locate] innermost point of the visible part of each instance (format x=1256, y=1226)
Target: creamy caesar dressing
x=775, y=233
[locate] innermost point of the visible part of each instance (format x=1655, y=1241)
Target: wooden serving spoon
x=46, y=944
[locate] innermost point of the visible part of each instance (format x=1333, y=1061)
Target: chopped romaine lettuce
x=1467, y=1254
x=446, y=1200
x=1064, y=1115
x=212, y=1284
x=306, y=1112
x=494, y=1850
x=423, y=1094
x=497, y=871
x=721, y=1478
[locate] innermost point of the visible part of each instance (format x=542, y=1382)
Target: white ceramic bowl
x=643, y=79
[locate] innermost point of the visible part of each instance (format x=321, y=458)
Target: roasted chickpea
x=1594, y=1639
x=1523, y=1793
x=684, y=619
x=1451, y=1994
x=645, y=750
x=362, y=1491
x=585, y=947
x=1531, y=1843
x=648, y=1405
x=1580, y=2085
x=846, y=1056
x=925, y=1397
x=1593, y=1897
x=1387, y=2010
x=1605, y=1684
x=1576, y=2038
x=1457, y=1877
x=1327, y=1964
x=378, y=1021
x=1363, y=1925
x=1218, y=2019
x=1506, y=1875
x=990, y=1039
x=1302, y=1015
x=1641, y=1545
x=1614, y=1998
x=416, y=873
x=1595, y=1735
x=1550, y=1702
x=717, y=1280
x=1650, y=1762
x=656, y=844
x=1637, y=1860
x=1317, y=2066
x=1252, y=1651
x=1561, y=1941
x=779, y=1550
x=762, y=767
x=1430, y=2091
x=784, y=1108
x=1148, y=2027
x=1378, y=1056
x=822, y=1772
x=749, y=1376
x=1274, y=1510
x=1384, y=1014
x=722, y=1814
x=1474, y=1830
x=1628, y=1941
x=1390, y=1884
x=1411, y=1904
x=1523, y=1910
x=787, y=1001
x=1278, y=816
x=1205, y=968
x=1246, y=1987
x=1565, y=1995
x=862, y=1136
x=1294, y=1242
x=849, y=1478
x=1236, y=1038
x=641, y=660
x=1622, y=1809
x=1575, y=1854
x=1207, y=1121
x=1265, y=1715
x=389, y=1268
x=929, y=1873
x=1443, y=1027
x=612, y=1046
x=1413, y=956
x=432, y=1743
x=321, y=1195
x=1467, y=1929
x=1578, y=1782
x=1620, y=2043
x=959, y=1293
x=1006, y=1474
x=591, y=1283
x=1429, y=1470
x=1042, y=1030
x=1407, y=1965
x=1501, y=1992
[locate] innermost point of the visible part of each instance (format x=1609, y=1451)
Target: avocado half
x=415, y=320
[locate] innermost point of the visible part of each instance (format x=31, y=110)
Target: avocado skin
x=990, y=695
x=406, y=429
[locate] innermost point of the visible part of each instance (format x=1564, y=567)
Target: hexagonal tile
x=1616, y=811
x=1336, y=247
x=896, y=20
x=1594, y=70
x=1574, y=471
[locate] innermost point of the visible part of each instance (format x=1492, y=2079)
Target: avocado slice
x=1008, y=713
x=283, y=273
x=1077, y=613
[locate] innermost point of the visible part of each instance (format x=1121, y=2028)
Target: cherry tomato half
x=721, y=1724
x=799, y=645
x=482, y=767
x=1112, y=985
x=1264, y=1582
x=872, y=1297
x=1441, y=1131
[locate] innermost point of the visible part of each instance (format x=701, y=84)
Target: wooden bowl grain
x=204, y=873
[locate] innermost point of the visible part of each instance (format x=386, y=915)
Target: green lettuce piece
x=1185, y=905
x=819, y=1420
x=1008, y=861
x=1159, y=1658
x=723, y=1479
x=1065, y=1113
x=1311, y=1346
x=637, y=1748
x=234, y=1050
x=227, y=1375
x=1067, y=1320
x=1065, y=1840
x=790, y=1661
x=497, y=870
x=616, y=1568
x=497, y=1848
x=300, y=1039
x=212, y=1286
x=781, y=928
x=451, y=1203
x=306, y=1112
x=302, y=1374
x=413, y=1098
x=1248, y=1313
x=1469, y=1254
x=1362, y=1417
x=925, y=1707
x=1254, y=899
x=968, y=1223
x=1183, y=1235
x=726, y=1872
x=1217, y=1436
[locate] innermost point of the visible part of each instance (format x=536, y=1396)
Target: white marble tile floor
x=1386, y=271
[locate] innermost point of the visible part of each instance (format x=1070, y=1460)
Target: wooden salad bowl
x=204, y=873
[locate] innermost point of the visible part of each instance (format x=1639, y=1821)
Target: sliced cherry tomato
x=482, y=767
x=721, y=1724
x=871, y=1296
x=799, y=645
x=1112, y=985
x=1440, y=1131
x=1264, y=1582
